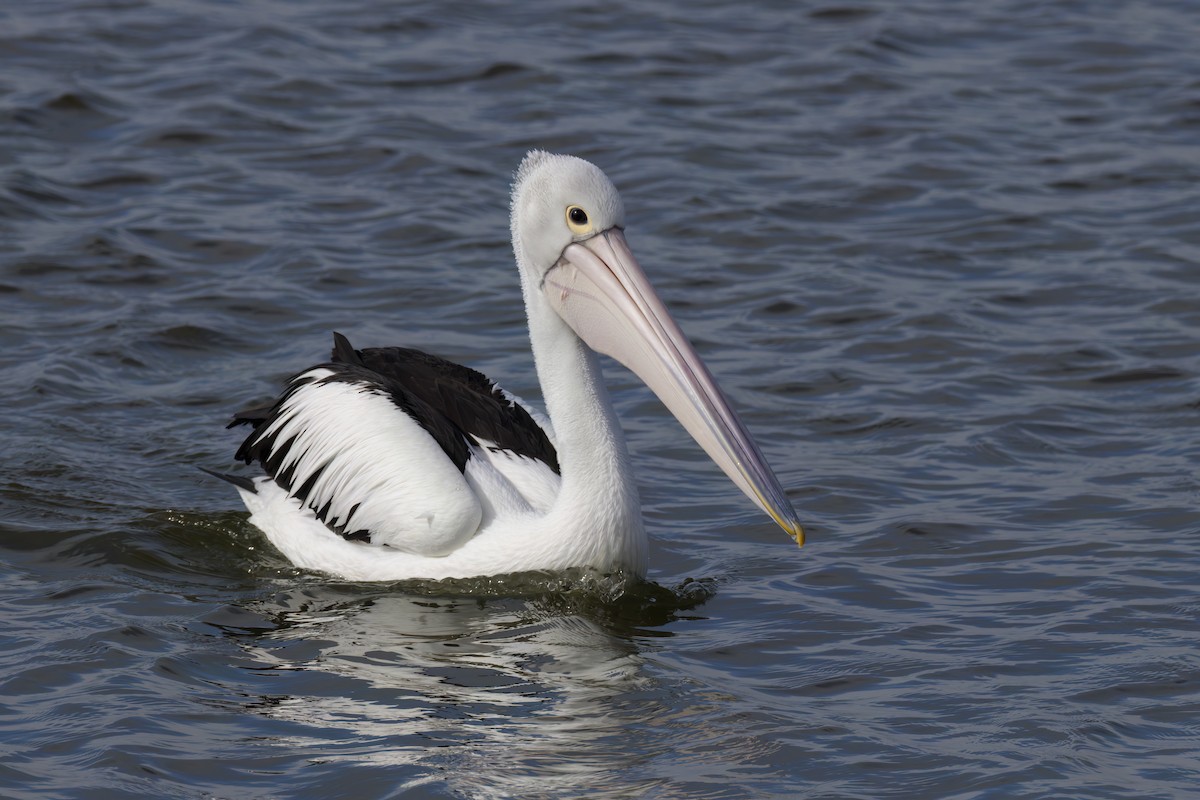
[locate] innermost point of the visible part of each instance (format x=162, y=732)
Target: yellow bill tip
x=791, y=527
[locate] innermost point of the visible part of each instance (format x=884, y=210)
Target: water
x=943, y=256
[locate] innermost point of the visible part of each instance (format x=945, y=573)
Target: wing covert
x=465, y=397
x=368, y=458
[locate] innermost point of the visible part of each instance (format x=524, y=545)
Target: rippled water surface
x=944, y=256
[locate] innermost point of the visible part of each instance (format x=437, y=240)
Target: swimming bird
x=393, y=464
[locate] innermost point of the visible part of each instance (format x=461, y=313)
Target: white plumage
x=390, y=464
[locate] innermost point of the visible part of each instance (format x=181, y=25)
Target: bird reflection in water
x=499, y=696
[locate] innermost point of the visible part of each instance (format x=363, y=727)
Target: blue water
x=944, y=257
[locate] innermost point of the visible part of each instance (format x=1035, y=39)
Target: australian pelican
x=391, y=464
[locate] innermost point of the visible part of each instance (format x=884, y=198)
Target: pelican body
x=393, y=464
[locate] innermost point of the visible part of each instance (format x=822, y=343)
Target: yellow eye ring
x=577, y=221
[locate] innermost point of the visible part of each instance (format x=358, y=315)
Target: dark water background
x=944, y=256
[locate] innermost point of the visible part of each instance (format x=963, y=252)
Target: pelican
x=392, y=464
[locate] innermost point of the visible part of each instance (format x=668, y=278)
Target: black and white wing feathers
x=463, y=396
x=376, y=443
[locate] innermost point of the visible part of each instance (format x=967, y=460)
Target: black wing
x=281, y=443
x=456, y=405
x=464, y=397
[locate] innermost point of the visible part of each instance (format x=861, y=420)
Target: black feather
x=464, y=396
x=236, y=480
x=455, y=405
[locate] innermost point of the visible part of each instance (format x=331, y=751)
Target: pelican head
x=567, y=230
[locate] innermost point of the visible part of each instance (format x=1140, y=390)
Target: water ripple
x=944, y=259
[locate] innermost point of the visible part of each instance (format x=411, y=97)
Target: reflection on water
x=497, y=698
x=941, y=255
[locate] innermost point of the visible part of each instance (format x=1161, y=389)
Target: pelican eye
x=577, y=220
